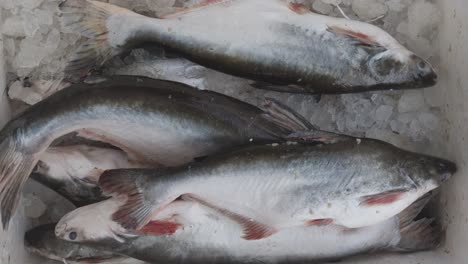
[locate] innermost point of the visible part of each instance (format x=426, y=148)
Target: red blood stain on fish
x=319, y=222
x=160, y=228
x=384, y=198
x=298, y=8
x=359, y=36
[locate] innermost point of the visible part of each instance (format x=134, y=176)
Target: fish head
x=42, y=241
x=427, y=170
x=399, y=68
x=91, y=223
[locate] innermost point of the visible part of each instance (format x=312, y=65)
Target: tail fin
x=89, y=19
x=126, y=184
x=420, y=235
x=301, y=129
x=284, y=116
x=423, y=234
x=15, y=168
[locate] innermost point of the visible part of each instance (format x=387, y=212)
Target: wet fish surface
x=279, y=45
x=186, y=232
x=42, y=241
x=158, y=123
x=74, y=170
x=266, y=188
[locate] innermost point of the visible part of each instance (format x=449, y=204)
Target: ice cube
x=158, y=6
x=194, y=72
x=32, y=25
x=9, y=4
x=422, y=45
x=38, y=90
x=321, y=7
x=52, y=42
x=395, y=5
x=34, y=207
x=10, y=47
x=411, y=101
x=388, y=136
x=331, y=2
x=434, y=96
x=415, y=129
x=398, y=127
x=30, y=53
x=369, y=9
x=402, y=28
x=13, y=27
x=383, y=113
x=406, y=118
x=428, y=120
x=30, y=4
x=423, y=18
x=26, y=94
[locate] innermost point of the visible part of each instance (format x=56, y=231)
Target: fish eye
x=422, y=65
x=72, y=235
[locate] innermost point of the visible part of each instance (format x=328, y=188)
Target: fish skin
x=42, y=241
x=261, y=40
x=209, y=237
x=280, y=186
x=73, y=171
x=138, y=115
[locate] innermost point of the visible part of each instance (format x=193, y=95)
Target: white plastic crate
x=452, y=90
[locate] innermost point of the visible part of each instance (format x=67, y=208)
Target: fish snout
x=425, y=72
x=443, y=170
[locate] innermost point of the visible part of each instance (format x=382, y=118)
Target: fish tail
x=299, y=128
x=89, y=19
x=15, y=167
x=135, y=212
x=284, y=116
x=418, y=235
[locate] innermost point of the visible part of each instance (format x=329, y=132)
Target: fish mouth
x=429, y=79
x=447, y=170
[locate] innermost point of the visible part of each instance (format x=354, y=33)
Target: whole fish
x=267, y=188
x=73, y=171
x=279, y=45
x=155, y=122
x=186, y=232
x=42, y=241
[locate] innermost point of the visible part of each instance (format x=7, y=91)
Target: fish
x=42, y=241
x=73, y=171
x=269, y=187
x=187, y=232
x=155, y=122
x=276, y=44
